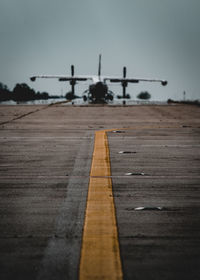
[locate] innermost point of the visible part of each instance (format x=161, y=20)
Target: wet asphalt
x=46, y=154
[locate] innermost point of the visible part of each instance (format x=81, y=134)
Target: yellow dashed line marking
x=100, y=254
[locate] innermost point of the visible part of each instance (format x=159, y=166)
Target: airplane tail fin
x=99, y=71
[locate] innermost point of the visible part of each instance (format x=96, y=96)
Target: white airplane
x=98, y=91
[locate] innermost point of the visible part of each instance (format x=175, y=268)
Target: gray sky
x=153, y=38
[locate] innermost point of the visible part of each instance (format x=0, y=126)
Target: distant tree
x=3, y=87
x=5, y=93
x=70, y=96
x=144, y=95
x=22, y=92
x=41, y=95
x=44, y=95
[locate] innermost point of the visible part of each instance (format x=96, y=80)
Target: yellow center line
x=100, y=254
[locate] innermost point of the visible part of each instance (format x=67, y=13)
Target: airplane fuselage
x=98, y=91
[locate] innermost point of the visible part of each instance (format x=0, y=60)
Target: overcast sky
x=153, y=38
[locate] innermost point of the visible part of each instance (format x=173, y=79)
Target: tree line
x=21, y=92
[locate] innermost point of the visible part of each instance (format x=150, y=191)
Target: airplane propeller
x=72, y=70
x=124, y=72
x=72, y=82
x=124, y=83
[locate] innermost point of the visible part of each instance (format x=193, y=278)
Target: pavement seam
x=29, y=113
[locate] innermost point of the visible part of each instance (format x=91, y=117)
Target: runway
x=136, y=196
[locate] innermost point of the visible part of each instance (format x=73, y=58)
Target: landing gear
x=124, y=86
x=95, y=98
x=84, y=98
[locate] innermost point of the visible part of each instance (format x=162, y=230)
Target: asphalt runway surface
x=52, y=204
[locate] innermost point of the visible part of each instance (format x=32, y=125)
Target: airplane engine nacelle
x=72, y=82
x=164, y=83
x=124, y=84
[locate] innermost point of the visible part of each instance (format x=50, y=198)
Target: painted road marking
x=100, y=254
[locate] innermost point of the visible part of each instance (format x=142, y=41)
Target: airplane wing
x=135, y=80
x=62, y=78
